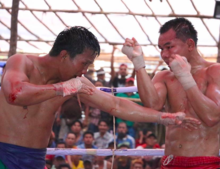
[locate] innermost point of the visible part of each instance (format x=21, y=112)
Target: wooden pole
x=14, y=28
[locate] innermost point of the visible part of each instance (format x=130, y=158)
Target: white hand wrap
x=138, y=61
x=69, y=87
x=168, y=118
x=181, y=69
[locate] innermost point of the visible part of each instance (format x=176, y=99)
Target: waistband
x=189, y=161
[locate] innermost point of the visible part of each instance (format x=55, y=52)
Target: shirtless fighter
x=192, y=85
x=33, y=88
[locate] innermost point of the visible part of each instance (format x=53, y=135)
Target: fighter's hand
x=85, y=89
x=71, y=87
x=180, y=119
x=133, y=50
x=181, y=69
x=190, y=123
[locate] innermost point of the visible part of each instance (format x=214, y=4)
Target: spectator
x=118, y=79
x=58, y=159
x=70, y=140
x=61, y=144
x=137, y=164
x=123, y=137
x=102, y=137
x=150, y=142
x=101, y=163
x=49, y=164
x=88, y=138
x=122, y=162
x=76, y=128
x=130, y=124
x=64, y=166
x=101, y=77
x=88, y=164
x=75, y=162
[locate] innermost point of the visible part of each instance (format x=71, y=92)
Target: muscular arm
x=152, y=94
x=122, y=108
x=207, y=106
x=17, y=88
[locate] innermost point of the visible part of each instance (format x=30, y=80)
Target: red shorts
x=181, y=162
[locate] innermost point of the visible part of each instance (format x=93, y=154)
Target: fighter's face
x=78, y=65
x=169, y=44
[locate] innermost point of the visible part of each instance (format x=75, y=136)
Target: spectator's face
x=130, y=83
x=137, y=166
x=101, y=77
x=88, y=139
x=122, y=128
x=151, y=141
x=76, y=128
x=61, y=145
x=70, y=140
x=87, y=165
x=98, y=84
x=103, y=128
x=123, y=70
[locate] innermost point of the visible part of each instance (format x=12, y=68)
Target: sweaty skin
x=26, y=119
x=201, y=101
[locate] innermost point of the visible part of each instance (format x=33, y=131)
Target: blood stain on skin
x=12, y=97
x=112, y=109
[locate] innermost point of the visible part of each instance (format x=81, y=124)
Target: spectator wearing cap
x=118, y=79
x=58, y=159
x=101, y=77
x=150, y=142
x=130, y=124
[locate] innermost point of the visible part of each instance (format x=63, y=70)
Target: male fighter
x=33, y=88
x=192, y=85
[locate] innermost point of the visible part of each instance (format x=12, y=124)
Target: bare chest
x=177, y=99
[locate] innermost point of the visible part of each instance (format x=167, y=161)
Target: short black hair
x=75, y=40
x=61, y=141
x=63, y=165
x=88, y=132
x=102, y=120
x=77, y=121
x=183, y=28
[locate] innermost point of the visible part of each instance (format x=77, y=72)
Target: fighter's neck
x=196, y=62
x=48, y=68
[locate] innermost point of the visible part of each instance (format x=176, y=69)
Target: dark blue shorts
x=17, y=157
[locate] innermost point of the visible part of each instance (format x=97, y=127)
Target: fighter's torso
x=28, y=126
x=201, y=142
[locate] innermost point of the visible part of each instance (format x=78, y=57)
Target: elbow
x=14, y=98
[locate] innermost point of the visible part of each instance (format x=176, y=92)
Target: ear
x=63, y=55
x=190, y=44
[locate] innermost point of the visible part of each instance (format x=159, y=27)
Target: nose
x=164, y=54
x=84, y=71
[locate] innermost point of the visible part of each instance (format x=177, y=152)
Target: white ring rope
x=106, y=152
x=118, y=89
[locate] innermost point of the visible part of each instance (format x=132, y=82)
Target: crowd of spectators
x=84, y=127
